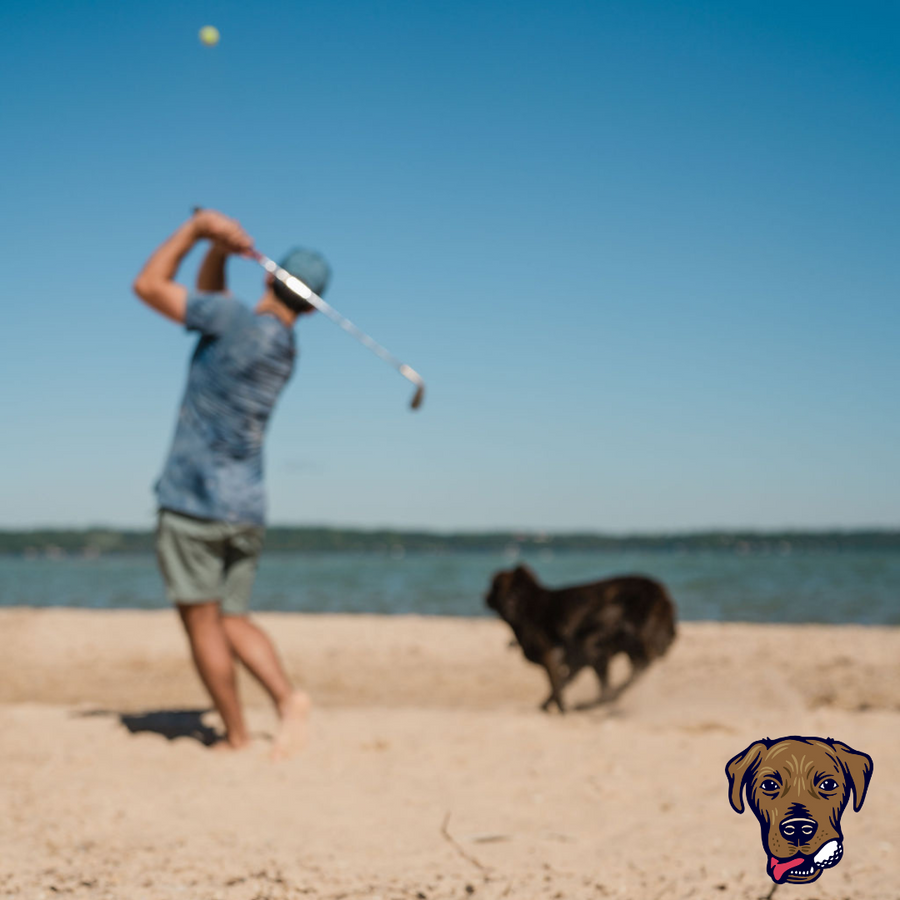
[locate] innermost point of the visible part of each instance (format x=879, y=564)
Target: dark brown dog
x=566, y=630
x=798, y=787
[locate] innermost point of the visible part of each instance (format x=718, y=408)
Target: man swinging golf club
x=210, y=495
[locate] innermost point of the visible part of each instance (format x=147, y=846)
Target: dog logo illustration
x=798, y=788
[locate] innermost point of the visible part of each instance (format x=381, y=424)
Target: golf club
x=313, y=299
x=292, y=283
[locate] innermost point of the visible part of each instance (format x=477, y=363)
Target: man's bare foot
x=227, y=744
x=292, y=732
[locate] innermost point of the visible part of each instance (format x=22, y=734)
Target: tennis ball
x=209, y=35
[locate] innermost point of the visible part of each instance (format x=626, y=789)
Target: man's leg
x=211, y=650
x=253, y=647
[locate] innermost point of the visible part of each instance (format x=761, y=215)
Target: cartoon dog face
x=798, y=788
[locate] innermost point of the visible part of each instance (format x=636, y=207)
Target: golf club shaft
x=313, y=299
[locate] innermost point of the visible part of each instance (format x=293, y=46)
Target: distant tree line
x=92, y=542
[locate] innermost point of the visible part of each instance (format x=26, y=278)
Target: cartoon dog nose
x=798, y=831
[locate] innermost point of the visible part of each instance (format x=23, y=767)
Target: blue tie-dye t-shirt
x=242, y=361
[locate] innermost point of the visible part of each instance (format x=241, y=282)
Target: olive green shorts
x=203, y=560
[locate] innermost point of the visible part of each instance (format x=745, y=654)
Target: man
x=211, y=497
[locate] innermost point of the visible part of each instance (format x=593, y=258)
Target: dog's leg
x=601, y=667
x=639, y=665
x=551, y=664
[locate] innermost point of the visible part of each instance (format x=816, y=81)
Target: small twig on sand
x=459, y=849
x=771, y=893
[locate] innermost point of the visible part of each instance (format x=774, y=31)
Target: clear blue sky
x=645, y=254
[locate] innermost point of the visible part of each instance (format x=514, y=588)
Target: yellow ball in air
x=209, y=35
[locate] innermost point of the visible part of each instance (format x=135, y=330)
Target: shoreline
x=488, y=615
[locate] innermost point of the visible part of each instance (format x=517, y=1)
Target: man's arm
x=211, y=277
x=155, y=284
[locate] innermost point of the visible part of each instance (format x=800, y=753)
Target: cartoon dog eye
x=828, y=785
x=769, y=785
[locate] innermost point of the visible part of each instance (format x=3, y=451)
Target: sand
x=418, y=720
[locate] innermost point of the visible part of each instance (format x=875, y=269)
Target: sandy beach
x=107, y=792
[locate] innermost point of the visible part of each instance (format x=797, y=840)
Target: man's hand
x=156, y=284
x=226, y=233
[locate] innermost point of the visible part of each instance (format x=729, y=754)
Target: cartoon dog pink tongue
x=780, y=869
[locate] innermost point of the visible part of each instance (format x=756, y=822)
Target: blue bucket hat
x=310, y=267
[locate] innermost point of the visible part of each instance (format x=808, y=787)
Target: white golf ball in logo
x=829, y=855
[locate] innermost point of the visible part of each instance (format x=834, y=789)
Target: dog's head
x=509, y=590
x=798, y=787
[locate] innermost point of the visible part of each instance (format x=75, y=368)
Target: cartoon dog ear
x=858, y=768
x=739, y=768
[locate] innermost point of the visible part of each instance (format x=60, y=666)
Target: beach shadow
x=604, y=705
x=170, y=723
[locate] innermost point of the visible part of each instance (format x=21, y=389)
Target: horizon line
x=529, y=532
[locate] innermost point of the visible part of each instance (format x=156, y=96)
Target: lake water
x=834, y=587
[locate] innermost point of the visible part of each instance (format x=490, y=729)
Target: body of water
x=836, y=587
